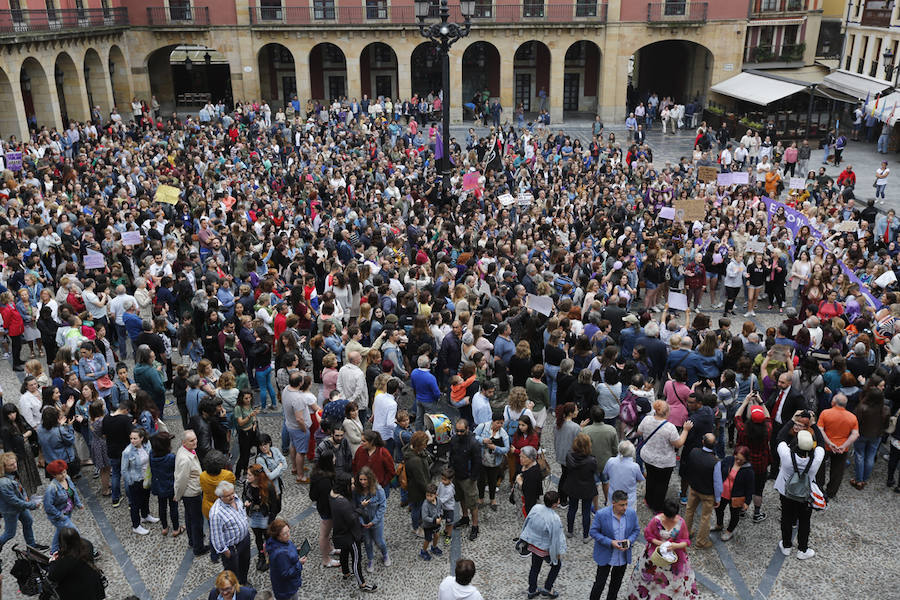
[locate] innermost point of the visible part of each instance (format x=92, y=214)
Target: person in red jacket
x=15, y=327
x=374, y=455
x=847, y=177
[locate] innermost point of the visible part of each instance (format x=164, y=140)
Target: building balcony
x=375, y=12
x=767, y=9
x=787, y=53
x=877, y=14
x=177, y=16
x=16, y=22
x=671, y=13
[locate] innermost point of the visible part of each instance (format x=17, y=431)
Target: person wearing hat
x=61, y=498
x=754, y=429
x=802, y=457
x=629, y=335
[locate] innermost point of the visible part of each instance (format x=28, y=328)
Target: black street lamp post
x=444, y=35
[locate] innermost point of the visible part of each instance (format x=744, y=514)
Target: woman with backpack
x=800, y=461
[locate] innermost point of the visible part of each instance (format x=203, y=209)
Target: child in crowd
x=400, y=439
x=431, y=522
x=179, y=390
x=446, y=495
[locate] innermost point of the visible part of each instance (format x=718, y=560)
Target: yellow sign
x=167, y=194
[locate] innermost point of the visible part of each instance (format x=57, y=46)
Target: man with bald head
x=705, y=487
x=351, y=383
x=187, y=489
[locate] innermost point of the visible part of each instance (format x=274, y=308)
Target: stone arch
x=425, y=67
x=181, y=77
x=678, y=68
x=69, y=90
x=95, y=78
x=9, y=122
x=378, y=71
x=277, y=71
x=531, y=74
x=581, y=77
x=118, y=68
x=36, y=95
x=327, y=72
x=481, y=70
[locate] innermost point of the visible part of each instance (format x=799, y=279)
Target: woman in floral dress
x=675, y=582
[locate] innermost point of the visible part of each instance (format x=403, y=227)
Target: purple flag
x=438, y=147
x=864, y=290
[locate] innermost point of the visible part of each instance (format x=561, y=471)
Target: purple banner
x=794, y=218
x=863, y=288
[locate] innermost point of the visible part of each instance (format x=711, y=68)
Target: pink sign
x=470, y=180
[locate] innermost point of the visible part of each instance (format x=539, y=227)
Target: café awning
x=757, y=88
x=858, y=86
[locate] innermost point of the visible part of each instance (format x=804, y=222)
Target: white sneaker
x=150, y=519
x=747, y=314
x=370, y=566
x=140, y=530
x=387, y=561
x=752, y=313
x=805, y=555
x=785, y=551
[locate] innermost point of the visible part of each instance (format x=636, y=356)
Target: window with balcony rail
x=376, y=9
x=675, y=8
x=180, y=10
x=270, y=10
x=533, y=8
x=586, y=8
x=484, y=9
x=79, y=7
x=15, y=10
x=877, y=13
x=323, y=10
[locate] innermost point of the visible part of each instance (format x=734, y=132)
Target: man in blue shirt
x=425, y=387
x=481, y=403
x=504, y=349
x=614, y=529
x=134, y=325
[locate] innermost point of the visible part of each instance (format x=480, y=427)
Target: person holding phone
x=614, y=529
x=285, y=561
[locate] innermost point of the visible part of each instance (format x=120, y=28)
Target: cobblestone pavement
x=854, y=540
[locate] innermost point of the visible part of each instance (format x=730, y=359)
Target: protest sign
x=886, y=279
x=845, y=226
x=694, y=208
x=667, y=212
x=797, y=183
x=740, y=178
x=470, y=180
x=132, y=238
x=677, y=301
x=506, y=199
x=707, y=174
x=167, y=194
x=94, y=260
x=756, y=247
x=14, y=161
x=541, y=304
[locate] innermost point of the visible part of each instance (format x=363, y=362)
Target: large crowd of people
x=556, y=311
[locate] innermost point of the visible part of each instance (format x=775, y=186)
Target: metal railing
x=24, y=21
x=328, y=13
x=769, y=8
x=677, y=12
x=177, y=15
x=765, y=54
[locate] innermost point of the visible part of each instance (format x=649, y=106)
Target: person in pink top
x=329, y=374
x=677, y=391
x=790, y=159
x=650, y=582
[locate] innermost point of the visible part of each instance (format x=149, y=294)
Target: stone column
x=75, y=94
x=54, y=105
x=507, y=77
x=557, y=76
x=16, y=112
x=613, y=80
x=301, y=66
x=404, y=68
x=456, y=97
x=354, y=83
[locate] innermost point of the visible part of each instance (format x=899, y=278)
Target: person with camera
x=614, y=530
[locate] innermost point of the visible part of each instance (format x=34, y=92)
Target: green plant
x=716, y=110
x=762, y=54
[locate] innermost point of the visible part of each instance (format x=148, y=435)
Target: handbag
x=892, y=423
x=104, y=383
x=543, y=464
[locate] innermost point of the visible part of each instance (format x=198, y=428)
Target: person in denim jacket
x=494, y=445
x=370, y=497
x=56, y=436
x=135, y=463
x=14, y=503
x=60, y=500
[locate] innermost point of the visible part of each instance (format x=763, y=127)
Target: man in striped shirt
x=229, y=531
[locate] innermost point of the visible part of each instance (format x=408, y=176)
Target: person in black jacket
x=320, y=483
x=738, y=469
x=74, y=573
x=211, y=433
x=347, y=533
x=530, y=480
x=581, y=470
x=465, y=459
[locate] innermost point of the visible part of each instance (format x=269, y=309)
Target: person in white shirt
x=797, y=457
x=351, y=382
x=384, y=410
x=881, y=175
x=459, y=585
x=30, y=402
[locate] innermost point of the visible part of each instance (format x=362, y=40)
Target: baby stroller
x=31, y=571
x=439, y=428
